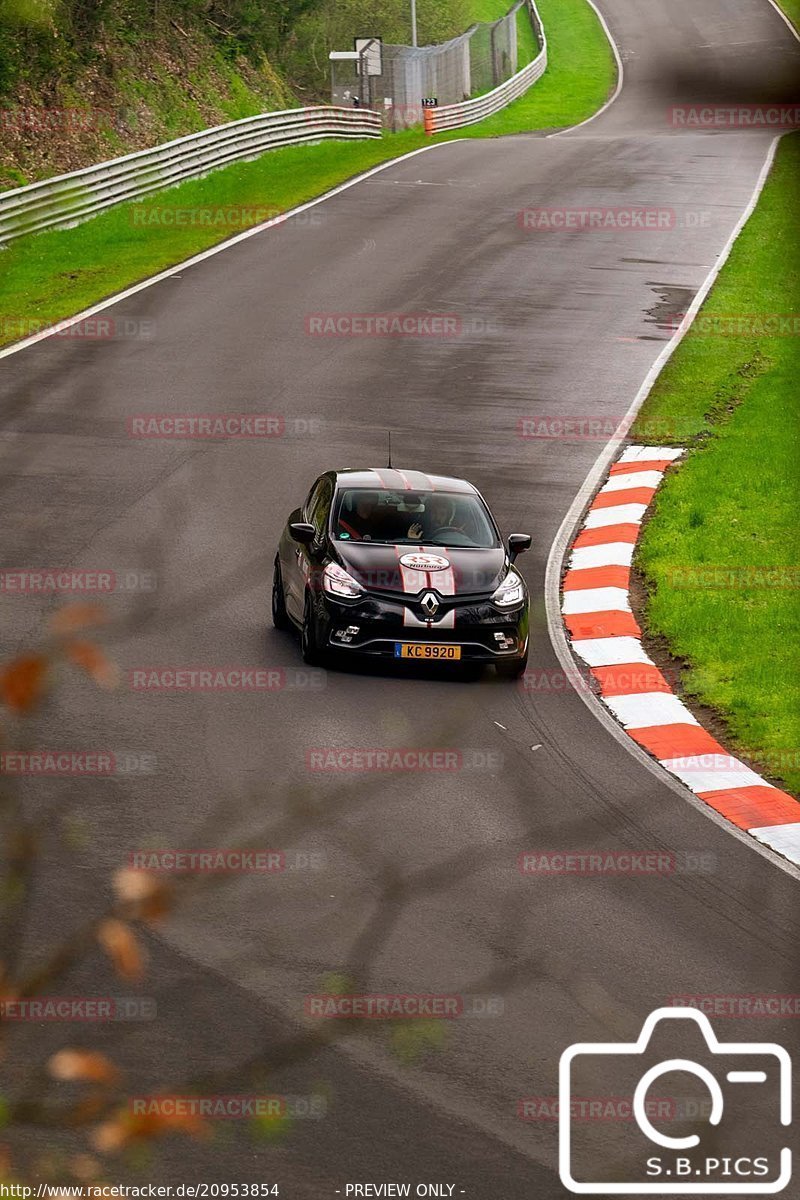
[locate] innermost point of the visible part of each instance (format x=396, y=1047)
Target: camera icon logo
x=697, y=1163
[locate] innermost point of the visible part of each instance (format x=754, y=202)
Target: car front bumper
x=375, y=626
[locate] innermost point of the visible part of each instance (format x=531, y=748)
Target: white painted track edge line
x=557, y=552
x=784, y=17
x=169, y=272
x=569, y=526
x=620, y=75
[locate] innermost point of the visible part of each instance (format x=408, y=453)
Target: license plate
x=437, y=650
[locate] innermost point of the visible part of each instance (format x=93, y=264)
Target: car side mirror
x=517, y=543
x=304, y=533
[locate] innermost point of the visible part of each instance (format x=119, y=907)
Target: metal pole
x=413, y=22
x=362, y=75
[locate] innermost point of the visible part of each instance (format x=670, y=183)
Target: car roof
x=399, y=479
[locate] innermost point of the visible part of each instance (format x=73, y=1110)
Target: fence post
x=513, y=46
x=429, y=121
x=466, y=89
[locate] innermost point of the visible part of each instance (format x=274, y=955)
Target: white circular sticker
x=424, y=562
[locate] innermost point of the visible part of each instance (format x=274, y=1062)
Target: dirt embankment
x=131, y=95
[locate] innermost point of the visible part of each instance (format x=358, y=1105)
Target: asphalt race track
x=419, y=891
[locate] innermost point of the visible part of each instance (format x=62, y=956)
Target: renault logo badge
x=430, y=603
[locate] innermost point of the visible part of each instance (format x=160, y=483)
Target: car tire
x=512, y=669
x=309, y=646
x=280, y=617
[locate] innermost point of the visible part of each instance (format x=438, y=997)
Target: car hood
x=409, y=570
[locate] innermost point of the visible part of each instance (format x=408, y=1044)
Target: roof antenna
x=389, y=464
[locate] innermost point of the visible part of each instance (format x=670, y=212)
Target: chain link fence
x=472, y=63
x=456, y=116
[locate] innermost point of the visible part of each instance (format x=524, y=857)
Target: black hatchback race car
x=401, y=565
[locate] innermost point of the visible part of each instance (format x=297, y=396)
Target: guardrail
x=454, y=116
x=67, y=199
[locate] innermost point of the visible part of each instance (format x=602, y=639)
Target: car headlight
x=336, y=582
x=510, y=592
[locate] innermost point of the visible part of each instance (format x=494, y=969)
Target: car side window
x=311, y=499
x=320, y=507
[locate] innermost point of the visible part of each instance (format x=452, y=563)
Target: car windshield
x=413, y=518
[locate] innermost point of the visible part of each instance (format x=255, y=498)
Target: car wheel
x=312, y=654
x=512, y=669
x=280, y=617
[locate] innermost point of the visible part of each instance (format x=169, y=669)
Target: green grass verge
x=527, y=46
x=579, y=79
x=792, y=10
x=735, y=501
x=487, y=10
x=51, y=275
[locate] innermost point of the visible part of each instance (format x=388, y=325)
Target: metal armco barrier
x=67, y=199
x=453, y=116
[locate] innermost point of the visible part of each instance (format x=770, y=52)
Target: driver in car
x=440, y=513
x=360, y=522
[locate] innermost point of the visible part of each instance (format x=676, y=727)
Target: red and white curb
x=603, y=633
